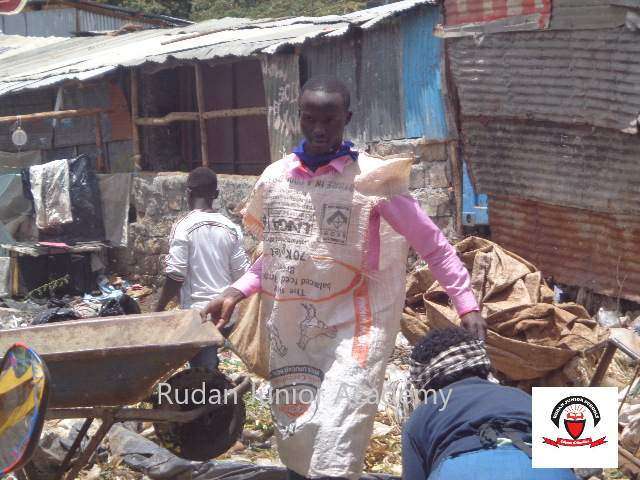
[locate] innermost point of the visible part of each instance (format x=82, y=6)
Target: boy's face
x=323, y=118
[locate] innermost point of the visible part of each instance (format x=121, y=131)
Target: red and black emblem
x=574, y=422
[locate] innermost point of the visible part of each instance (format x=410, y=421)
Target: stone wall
x=430, y=183
x=160, y=199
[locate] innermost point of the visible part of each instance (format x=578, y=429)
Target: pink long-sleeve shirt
x=405, y=216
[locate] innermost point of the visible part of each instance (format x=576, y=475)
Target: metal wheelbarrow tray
x=113, y=361
x=97, y=366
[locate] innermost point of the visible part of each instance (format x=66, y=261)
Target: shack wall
x=549, y=130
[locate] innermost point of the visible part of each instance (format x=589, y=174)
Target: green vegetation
x=200, y=10
x=49, y=288
x=254, y=9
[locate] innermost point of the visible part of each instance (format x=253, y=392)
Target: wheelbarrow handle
x=119, y=414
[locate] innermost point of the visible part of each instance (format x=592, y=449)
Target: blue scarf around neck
x=315, y=161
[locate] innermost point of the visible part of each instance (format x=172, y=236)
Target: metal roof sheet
x=58, y=59
x=480, y=11
x=568, y=76
x=577, y=247
x=574, y=166
x=586, y=14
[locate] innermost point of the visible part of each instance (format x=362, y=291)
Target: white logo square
x=575, y=427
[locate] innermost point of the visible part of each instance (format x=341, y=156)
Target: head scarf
x=452, y=360
x=316, y=161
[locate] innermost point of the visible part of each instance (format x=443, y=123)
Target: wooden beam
x=167, y=119
x=15, y=273
x=135, y=132
x=195, y=116
x=31, y=117
x=204, y=138
x=99, y=142
x=456, y=173
x=237, y=112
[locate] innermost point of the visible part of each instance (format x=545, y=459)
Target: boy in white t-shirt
x=206, y=254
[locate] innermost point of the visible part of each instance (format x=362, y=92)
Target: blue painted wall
x=474, y=206
x=421, y=52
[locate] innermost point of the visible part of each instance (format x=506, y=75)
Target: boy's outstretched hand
x=221, y=307
x=474, y=323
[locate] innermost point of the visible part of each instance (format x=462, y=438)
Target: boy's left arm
x=175, y=269
x=405, y=216
x=170, y=288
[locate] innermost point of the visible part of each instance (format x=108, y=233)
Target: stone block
x=432, y=152
x=416, y=177
x=177, y=204
x=432, y=200
x=418, y=148
x=438, y=175
x=153, y=247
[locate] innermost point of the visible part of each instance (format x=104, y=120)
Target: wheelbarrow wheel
x=212, y=434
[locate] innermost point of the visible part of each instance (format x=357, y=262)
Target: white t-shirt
x=206, y=254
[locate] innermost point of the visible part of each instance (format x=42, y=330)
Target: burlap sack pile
x=531, y=340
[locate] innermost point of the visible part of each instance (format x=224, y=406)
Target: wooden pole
x=204, y=139
x=456, y=173
x=31, y=117
x=99, y=142
x=15, y=273
x=137, y=156
x=195, y=116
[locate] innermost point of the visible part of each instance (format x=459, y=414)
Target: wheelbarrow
x=100, y=367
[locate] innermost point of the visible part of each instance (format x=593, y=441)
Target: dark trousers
x=208, y=356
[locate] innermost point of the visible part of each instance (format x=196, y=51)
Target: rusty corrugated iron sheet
x=480, y=11
x=574, y=166
x=586, y=14
x=577, y=247
x=570, y=76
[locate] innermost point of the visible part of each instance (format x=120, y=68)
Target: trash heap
x=531, y=341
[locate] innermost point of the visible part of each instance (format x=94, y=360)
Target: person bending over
x=467, y=426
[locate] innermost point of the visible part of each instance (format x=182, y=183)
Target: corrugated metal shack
x=67, y=18
x=224, y=93
x=549, y=103
x=224, y=82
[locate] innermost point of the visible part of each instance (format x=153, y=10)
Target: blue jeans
x=498, y=463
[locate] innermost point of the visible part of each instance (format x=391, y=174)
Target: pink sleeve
x=405, y=216
x=251, y=281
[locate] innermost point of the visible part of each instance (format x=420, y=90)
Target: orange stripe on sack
x=362, y=307
x=253, y=225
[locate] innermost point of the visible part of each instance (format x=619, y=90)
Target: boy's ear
x=349, y=113
x=215, y=194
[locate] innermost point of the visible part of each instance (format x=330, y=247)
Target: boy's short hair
x=203, y=180
x=327, y=84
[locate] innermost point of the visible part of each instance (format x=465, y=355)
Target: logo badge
x=575, y=427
